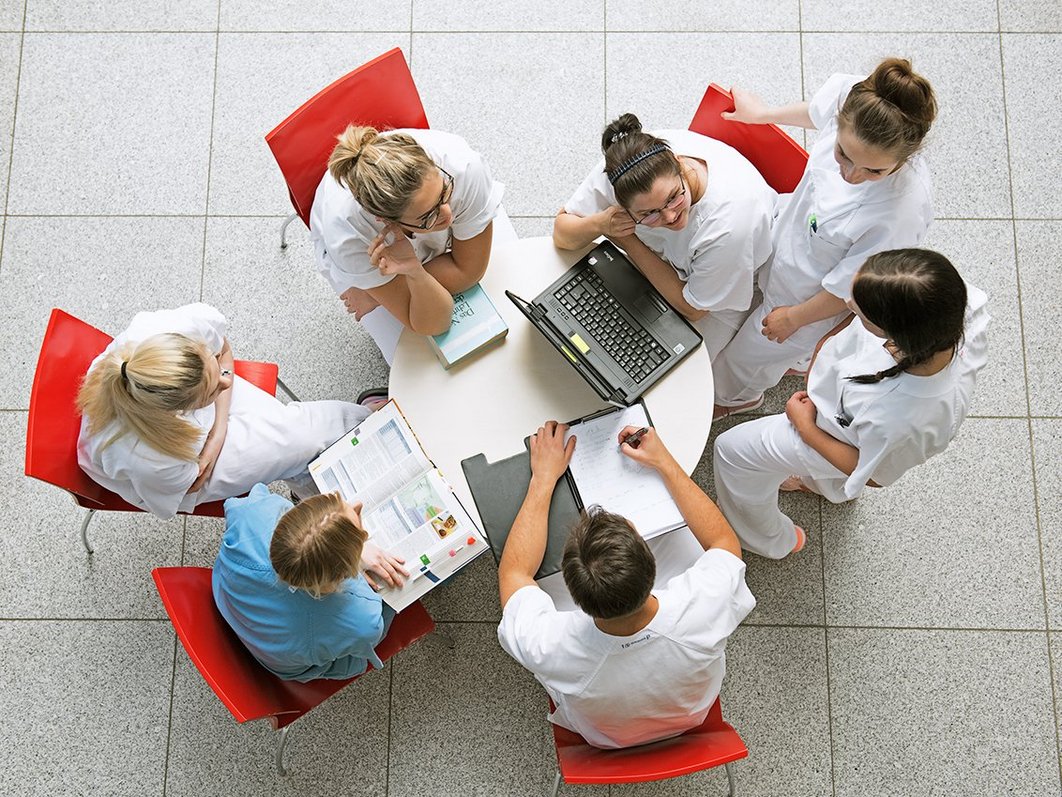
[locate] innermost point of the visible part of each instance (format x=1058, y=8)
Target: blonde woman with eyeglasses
x=401, y=221
x=167, y=425
x=690, y=212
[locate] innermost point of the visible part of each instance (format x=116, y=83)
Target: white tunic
x=728, y=234
x=618, y=691
x=266, y=439
x=902, y=421
x=341, y=230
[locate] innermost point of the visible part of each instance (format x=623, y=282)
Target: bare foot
x=358, y=302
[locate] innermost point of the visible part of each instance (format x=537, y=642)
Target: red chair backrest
x=380, y=93
x=777, y=157
x=711, y=744
x=246, y=688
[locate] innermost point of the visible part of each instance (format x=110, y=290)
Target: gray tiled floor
x=905, y=652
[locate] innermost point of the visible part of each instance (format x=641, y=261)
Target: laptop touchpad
x=648, y=308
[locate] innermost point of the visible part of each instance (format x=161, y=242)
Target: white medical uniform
x=266, y=440
x=896, y=424
x=341, y=230
x=726, y=238
x=825, y=231
x=619, y=691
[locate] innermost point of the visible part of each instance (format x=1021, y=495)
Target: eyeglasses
x=429, y=219
x=653, y=217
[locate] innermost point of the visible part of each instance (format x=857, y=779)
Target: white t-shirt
x=621, y=691
x=141, y=475
x=728, y=234
x=341, y=230
x=827, y=228
x=902, y=421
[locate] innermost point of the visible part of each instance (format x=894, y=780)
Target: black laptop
x=609, y=322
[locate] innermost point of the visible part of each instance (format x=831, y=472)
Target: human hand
x=208, y=458
x=748, y=108
x=392, y=253
x=615, y=222
x=358, y=302
x=801, y=412
x=649, y=451
x=779, y=324
x=383, y=565
x=549, y=454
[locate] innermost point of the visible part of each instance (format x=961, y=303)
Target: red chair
x=775, y=155
x=246, y=688
x=69, y=347
x=710, y=744
x=380, y=93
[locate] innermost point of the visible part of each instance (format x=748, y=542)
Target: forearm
x=699, y=511
x=526, y=544
x=431, y=306
x=454, y=276
x=838, y=453
x=662, y=275
x=223, y=402
x=820, y=306
x=795, y=114
x=575, y=232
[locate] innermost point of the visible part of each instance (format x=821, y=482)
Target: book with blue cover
x=476, y=324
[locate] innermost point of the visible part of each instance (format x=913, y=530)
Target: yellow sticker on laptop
x=580, y=344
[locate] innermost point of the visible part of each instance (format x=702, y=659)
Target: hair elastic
x=124, y=376
x=626, y=166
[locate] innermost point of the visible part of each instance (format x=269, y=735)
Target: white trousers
x=750, y=363
x=268, y=440
x=751, y=462
x=385, y=329
x=718, y=329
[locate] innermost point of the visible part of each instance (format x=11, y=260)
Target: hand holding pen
x=644, y=446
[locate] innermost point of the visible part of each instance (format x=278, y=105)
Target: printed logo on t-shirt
x=625, y=645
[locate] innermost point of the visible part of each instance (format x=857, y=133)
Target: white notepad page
x=606, y=477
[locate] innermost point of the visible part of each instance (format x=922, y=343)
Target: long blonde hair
x=145, y=387
x=317, y=545
x=382, y=172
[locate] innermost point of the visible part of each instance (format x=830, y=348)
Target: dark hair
x=608, y=568
x=623, y=142
x=891, y=110
x=918, y=299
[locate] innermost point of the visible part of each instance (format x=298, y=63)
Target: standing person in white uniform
x=691, y=213
x=632, y=665
x=884, y=394
x=168, y=426
x=865, y=189
x=402, y=220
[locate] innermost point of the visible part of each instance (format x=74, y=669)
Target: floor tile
x=281, y=310
x=262, y=78
x=510, y=15
x=120, y=15
x=965, y=72
x=907, y=15
x=930, y=550
x=1047, y=448
x=143, y=148
x=334, y=16
x=85, y=707
x=534, y=146
x=534, y=226
x=10, y=45
x=468, y=721
x=1031, y=101
x=103, y=270
x=983, y=252
x=11, y=13
x=1030, y=16
x=703, y=15
x=941, y=712
x=1041, y=296
x=48, y=573
x=471, y=595
x=341, y=745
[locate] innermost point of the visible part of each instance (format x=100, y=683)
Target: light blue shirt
x=291, y=633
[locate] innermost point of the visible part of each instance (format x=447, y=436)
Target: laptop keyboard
x=590, y=303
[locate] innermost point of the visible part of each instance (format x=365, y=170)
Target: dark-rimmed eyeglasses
x=431, y=218
x=652, y=217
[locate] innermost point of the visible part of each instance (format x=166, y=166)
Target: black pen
x=635, y=437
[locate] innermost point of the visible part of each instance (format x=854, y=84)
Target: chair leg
x=284, y=230
x=281, y=745
x=556, y=784
x=286, y=389
x=731, y=788
x=84, y=530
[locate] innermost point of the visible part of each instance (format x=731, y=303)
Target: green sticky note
x=424, y=560
x=353, y=441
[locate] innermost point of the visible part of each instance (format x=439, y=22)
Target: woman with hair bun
x=865, y=189
x=885, y=393
x=167, y=425
x=402, y=220
x=691, y=213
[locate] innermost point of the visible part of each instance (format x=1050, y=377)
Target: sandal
x=725, y=412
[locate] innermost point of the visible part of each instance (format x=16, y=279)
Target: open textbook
x=409, y=509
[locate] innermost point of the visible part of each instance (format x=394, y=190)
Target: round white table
x=490, y=403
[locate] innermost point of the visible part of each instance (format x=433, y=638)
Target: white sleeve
x=345, y=264
x=593, y=195
x=161, y=484
x=885, y=453
x=828, y=100
x=481, y=198
x=204, y=322
x=722, y=270
x=524, y=631
x=722, y=598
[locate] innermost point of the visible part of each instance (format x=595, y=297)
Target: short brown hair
x=316, y=545
x=608, y=568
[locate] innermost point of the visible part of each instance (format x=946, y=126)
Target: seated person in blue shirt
x=287, y=580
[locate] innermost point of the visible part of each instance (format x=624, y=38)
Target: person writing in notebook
x=633, y=664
